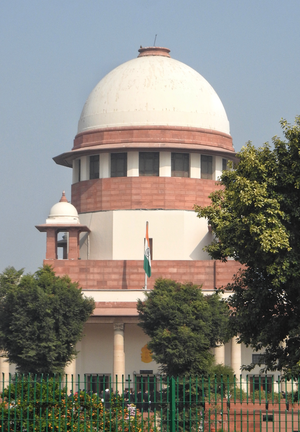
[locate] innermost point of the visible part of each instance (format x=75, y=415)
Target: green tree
x=256, y=221
x=41, y=319
x=183, y=325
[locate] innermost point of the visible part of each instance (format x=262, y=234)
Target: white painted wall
x=96, y=353
x=119, y=235
x=97, y=244
x=135, y=340
x=169, y=229
x=116, y=295
x=96, y=350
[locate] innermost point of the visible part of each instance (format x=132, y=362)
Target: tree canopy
x=256, y=220
x=183, y=325
x=41, y=319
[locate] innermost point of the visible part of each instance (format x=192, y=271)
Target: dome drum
x=115, y=139
x=153, y=136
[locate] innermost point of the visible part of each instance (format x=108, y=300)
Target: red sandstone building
x=152, y=140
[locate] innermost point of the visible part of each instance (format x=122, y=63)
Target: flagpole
x=147, y=257
x=145, y=246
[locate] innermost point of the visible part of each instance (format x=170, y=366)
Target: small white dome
x=153, y=90
x=63, y=212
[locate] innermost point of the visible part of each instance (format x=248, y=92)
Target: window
x=118, y=165
x=180, y=163
x=79, y=170
x=97, y=383
x=62, y=245
x=258, y=358
x=149, y=163
x=261, y=383
x=268, y=417
x=94, y=167
x=206, y=167
x=145, y=387
x=224, y=164
x=145, y=382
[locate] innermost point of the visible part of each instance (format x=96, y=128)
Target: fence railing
x=148, y=403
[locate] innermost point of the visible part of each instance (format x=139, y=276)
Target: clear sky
x=54, y=52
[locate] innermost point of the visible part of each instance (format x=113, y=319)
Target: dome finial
x=63, y=197
x=154, y=51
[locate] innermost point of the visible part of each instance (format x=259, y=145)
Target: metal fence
x=149, y=403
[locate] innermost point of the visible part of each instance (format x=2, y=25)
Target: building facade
x=152, y=141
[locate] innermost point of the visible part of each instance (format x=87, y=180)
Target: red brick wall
x=141, y=193
x=153, y=136
x=249, y=416
x=225, y=271
x=118, y=274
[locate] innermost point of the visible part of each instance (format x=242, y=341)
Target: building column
x=71, y=377
x=133, y=164
x=51, y=246
x=236, y=357
x=195, y=165
x=165, y=164
x=105, y=165
x=76, y=169
x=218, y=167
x=71, y=369
x=219, y=353
x=73, y=252
x=119, y=356
x=4, y=369
x=85, y=168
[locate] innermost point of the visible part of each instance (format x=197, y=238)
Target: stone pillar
x=4, y=369
x=236, y=357
x=219, y=353
x=85, y=168
x=104, y=165
x=218, y=167
x=51, y=247
x=73, y=252
x=70, y=371
x=133, y=164
x=194, y=165
x=76, y=173
x=119, y=356
x=165, y=164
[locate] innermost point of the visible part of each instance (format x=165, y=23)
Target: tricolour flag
x=147, y=255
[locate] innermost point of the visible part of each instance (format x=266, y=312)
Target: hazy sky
x=54, y=52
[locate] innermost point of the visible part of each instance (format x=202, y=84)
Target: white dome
x=153, y=90
x=63, y=212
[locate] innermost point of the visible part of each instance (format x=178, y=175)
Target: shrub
x=46, y=406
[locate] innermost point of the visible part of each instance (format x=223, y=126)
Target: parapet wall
x=129, y=274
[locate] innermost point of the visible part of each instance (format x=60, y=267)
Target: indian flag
x=147, y=255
